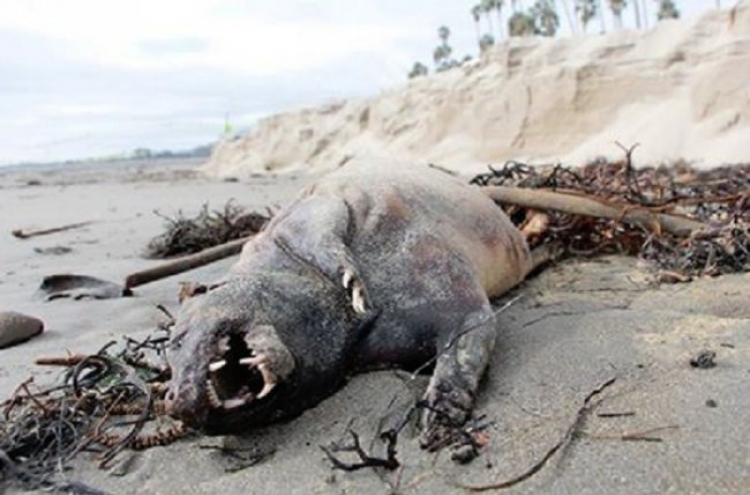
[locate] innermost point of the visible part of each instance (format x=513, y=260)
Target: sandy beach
x=576, y=326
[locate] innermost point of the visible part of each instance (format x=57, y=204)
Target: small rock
x=17, y=327
x=711, y=403
x=704, y=360
x=53, y=250
x=80, y=287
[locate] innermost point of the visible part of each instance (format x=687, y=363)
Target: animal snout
x=170, y=400
x=177, y=404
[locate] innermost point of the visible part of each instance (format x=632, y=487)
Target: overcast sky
x=82, y=78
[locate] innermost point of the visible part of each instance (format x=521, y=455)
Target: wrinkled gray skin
x=373, y=266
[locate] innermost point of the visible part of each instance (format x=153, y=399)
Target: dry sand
x=576, y=326
x=679, y=89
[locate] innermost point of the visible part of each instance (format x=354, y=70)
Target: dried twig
x=365, y=460
x=570, y=433
x=21, y=234
x=636, y=436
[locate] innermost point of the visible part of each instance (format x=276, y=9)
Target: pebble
x=17, y=327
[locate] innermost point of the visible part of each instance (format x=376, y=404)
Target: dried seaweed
x=208, y=228
x=719, y=197
x=102, y=403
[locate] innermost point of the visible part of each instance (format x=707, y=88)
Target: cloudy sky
x=82, y=78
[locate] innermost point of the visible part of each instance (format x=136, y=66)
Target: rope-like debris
x=207, y=229
x=102, y=403
x=719, y=197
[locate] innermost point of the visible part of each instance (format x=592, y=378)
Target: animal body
x=372, y=266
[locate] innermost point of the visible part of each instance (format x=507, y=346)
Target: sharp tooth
x=261, y=363
x=251, y=361
x=348, y=276
x=233, y=403
x=217, y=365
x=266, y=389
x=358, y=300
x=269, y=380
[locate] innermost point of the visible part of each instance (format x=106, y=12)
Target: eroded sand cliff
x=681, y=90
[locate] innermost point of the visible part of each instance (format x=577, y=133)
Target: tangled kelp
x=208, y=228
x=103, y=403
x=719, y=198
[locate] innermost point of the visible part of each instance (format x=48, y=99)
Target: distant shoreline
x=55, y=166
x=96, y=172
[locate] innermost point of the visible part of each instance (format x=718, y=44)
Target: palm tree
x=637, y=12
x=487, y=7
x=569, y=16
x=438, y=55
x=521, y=24
x=546, y=20
x=499, y=9
x=667, y=10
x=418, y=69
x=441, y=55
x=586, y=10
x=486, y=42
x=476, y=13
x=444, y=33
x=617, y=6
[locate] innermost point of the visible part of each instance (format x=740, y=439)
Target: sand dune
x=681, y=90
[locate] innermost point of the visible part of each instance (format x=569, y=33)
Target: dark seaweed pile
x=719, y=197
x=100, y=404
x=208, y=228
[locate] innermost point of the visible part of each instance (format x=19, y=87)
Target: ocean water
x=76, y=172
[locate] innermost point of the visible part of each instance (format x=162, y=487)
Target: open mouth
x=239, y=375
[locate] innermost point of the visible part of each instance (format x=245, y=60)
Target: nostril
x=170, y=398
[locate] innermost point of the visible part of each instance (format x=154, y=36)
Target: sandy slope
x=681, y=90
x=575, y=327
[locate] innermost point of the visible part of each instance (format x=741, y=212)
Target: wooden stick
x=69, y=360
x=529, y=198
x=20, y=234
x=185, y=263
x=580, y=205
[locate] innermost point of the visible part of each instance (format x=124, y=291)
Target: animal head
x=253, y=351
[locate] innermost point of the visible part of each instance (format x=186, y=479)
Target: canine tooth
x=233, y=403
x=217, y=365
x=358, y=300
x=348, y=277
x=266, y=389
x=269, y=380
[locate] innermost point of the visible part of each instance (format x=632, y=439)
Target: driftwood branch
x=528, y=198
x=185, y=263
x=20, y=234
x=580, y=205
